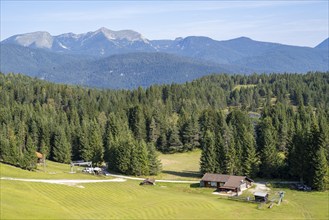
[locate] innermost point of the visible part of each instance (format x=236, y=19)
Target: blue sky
x=303, y=23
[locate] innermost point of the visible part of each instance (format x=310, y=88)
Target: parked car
x=94, y=170
x=88, y=170
x=301, y=187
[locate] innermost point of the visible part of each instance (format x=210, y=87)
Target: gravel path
x=64, y=181
x=260, y=187
x=75, y=182
x=159, y=181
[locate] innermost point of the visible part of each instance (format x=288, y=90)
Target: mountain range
x=125, y=59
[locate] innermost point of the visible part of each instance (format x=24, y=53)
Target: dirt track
x=159, y=181
x=73, y=182
x=260, y=187
x=64, y=181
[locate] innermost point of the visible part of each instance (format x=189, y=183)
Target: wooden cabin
x=225, y=182
x=40, y=157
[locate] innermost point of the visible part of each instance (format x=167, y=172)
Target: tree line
x=217, y=113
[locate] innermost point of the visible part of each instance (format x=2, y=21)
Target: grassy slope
x=238, y=87
x=128, y=200
x=180, y=166
x=53, y=171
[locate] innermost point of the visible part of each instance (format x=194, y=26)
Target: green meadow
x=129, y=200
x=180, y=166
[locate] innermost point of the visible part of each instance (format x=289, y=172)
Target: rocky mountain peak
x=128, y=35
x=40, y=39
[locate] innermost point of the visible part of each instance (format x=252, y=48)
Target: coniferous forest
x=269, y=126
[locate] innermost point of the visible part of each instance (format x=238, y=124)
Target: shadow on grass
x=195, y=185
x=184, y=173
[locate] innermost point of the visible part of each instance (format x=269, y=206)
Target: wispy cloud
x=113, y=10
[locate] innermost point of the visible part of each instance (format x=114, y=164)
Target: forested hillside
x=121, y=71
x=216, y=113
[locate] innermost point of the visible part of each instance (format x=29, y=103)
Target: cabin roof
x=215, y=177
x=230, y=181
x=39, y=155
x=234, y=181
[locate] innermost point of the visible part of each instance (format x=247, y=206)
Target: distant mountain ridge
x=324, y=45
x=116, y=71
x=102, y=42
x=91, y=54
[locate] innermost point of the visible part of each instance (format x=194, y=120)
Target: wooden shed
x=261, y=196
x=148, y=181
x=40, y=157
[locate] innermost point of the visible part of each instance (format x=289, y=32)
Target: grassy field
x=128, y=200
x=238, y=87
x=182, y=166
x=53, y=171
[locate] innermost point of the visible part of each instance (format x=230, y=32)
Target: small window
x=214, y=184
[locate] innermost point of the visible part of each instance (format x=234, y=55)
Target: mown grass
x=53, y=171
x=180, y=166
x=128, y=200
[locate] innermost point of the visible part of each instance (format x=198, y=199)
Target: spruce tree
x=110, y=154
x=220, y=141
x=162, y=143
x=96, y=143
x=4, y=143
x=324, y=130
x=12, y=152
x=108, y=140
x=228, y=152
x=190, y=136
x=244, y=141
x=34, y=131
x=29, y=158
x=123, y=156
x=269, y=153
x=320, y=169
x=21, y=138
x=137, y=122
x=113, y=125
x=139, y=159
x=251, y=161
x=207, y=121
x=297, y=156
x=208, y=155
x=45, y=136
x=85, y=148
x=61, y=147
x=153, y=131
x=316, y=158
x=154, y=162
x=174, y=143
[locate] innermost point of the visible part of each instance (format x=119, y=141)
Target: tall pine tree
x=61, y=147
x=208, y=155
x=96, y=143
x=269, y=155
